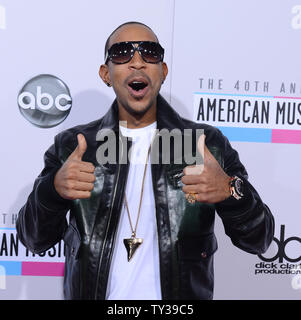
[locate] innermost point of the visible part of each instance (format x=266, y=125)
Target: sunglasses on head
x=123, y=52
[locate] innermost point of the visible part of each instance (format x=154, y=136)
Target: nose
x=137, y=62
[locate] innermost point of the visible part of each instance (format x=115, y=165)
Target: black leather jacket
x=186, y=232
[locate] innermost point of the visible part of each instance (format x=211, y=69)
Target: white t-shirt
x=138, y=279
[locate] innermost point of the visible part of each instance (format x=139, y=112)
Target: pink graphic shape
x=286, y=136
x=54, y=269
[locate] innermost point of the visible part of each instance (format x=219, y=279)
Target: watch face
x=239, y=186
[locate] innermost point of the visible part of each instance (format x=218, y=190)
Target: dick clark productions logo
x=45, y=101
x=281, y=244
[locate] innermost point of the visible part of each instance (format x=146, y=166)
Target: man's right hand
x=75, y=179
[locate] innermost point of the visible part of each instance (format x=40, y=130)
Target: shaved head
x=108, y=44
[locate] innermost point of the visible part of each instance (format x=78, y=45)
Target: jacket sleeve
x=248, y=221
x=42, y=220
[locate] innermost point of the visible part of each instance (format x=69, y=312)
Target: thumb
x=198, y=168
x=207, y=155
x=80, y=149
x=201, y=146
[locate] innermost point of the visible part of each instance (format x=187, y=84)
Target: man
x=140, y=230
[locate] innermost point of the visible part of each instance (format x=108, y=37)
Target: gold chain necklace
x=133, y=243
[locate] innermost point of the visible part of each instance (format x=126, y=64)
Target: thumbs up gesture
x=208, y=182
x=75, y=179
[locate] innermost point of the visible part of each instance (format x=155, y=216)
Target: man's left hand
x=209, y=183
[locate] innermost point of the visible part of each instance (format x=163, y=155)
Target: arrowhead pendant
x=132, y=245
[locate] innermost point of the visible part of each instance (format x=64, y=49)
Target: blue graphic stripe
x=12, y=268
x=247, y=134
x=233, y=95
x=7, y=228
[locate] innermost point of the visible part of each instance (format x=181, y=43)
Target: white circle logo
x=45, y=101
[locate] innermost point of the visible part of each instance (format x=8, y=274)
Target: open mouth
x=137, y=85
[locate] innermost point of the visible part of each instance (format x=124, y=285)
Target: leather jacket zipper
x=108, y=225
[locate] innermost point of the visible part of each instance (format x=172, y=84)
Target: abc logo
x=45, y=101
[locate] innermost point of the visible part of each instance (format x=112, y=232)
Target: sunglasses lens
x=120, y=52
x=151, y=52
x=123, y=52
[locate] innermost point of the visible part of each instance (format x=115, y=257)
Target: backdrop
x=233, y=64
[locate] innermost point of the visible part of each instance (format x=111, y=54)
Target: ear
x=104, y=74
x=165, y=71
